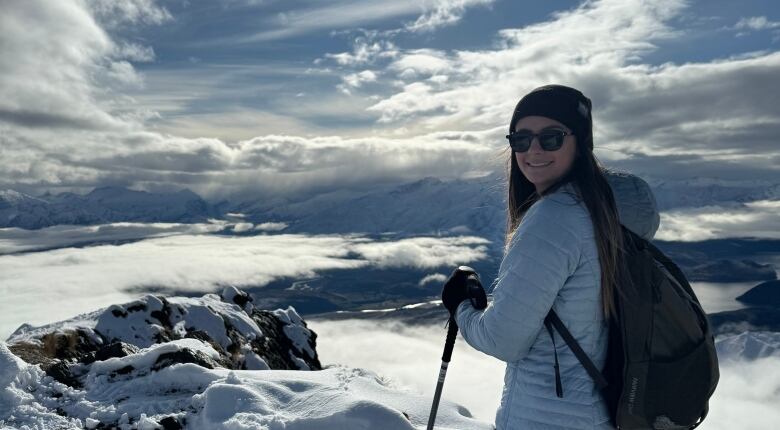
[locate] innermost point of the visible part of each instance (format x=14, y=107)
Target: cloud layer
x=86, y=103
x=35, y=285
x=754, y=219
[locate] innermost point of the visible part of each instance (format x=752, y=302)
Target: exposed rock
x=115, y=349
x=241, y=336
x=62, y=373
x=185, y=356
x=171, y=423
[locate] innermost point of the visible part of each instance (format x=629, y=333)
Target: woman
x=562, y=252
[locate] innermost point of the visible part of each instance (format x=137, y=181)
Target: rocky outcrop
x=241, y=336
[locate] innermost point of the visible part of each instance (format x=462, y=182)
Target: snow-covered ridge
x=185, y=363
x=243, y=336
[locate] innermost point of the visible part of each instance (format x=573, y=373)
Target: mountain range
x=102, y=205
x=426, y=206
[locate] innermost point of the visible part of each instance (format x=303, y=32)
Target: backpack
x=661, y=366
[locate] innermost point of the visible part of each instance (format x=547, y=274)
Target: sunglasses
x=549, y=140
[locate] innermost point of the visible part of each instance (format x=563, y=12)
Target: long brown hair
x=588, y=177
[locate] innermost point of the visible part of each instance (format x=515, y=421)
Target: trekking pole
x=479, y=301
x=449, y=344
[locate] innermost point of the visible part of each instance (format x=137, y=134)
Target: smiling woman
x=563, y=246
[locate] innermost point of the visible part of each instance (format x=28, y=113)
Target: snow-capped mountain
x=426, y=206
x=102, y=205
x=429, y=206
x=699, y=192
x=749, y=345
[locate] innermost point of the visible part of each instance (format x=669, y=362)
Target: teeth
x=539, y=165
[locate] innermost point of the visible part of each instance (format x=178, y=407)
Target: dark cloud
x=47, y=120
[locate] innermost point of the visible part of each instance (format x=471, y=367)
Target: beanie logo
x=582, y=109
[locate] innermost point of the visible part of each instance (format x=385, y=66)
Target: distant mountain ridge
x=102, y=205
x=428, y=206
x=699, y=192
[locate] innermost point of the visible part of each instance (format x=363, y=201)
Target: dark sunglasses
x=549, y=140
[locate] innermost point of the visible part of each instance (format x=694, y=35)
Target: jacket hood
x=635, y=203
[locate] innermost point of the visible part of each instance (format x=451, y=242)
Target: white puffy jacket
x=552, y=262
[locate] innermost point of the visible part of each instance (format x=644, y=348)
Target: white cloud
x=421, y=61
x=423, y=251
x=441, y=13
x=72, y=118
x=755, y=219
x=646, y=116
x=356, y=80
x=756, y=23
x=436, y=278
x=58, y=78
x=40, y=287
x=569, y=48
x=409, y=358
x=135, y=52
x=243, y=227
x=271, y=226
x=365, y=50
x=264, y=166
x=14, y=240
x=334, y=15
x=114, y=13
x=747, y=396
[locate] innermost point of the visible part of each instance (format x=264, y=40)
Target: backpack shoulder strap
x=552, y=320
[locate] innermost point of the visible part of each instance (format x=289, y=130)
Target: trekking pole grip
x=449, y=343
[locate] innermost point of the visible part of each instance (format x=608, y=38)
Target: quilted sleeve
x=543, y=252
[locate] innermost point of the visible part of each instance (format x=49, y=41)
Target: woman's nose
x=535, y=145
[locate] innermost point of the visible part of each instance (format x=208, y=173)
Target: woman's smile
x=539, y=164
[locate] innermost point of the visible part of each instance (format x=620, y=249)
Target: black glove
x=463, y=284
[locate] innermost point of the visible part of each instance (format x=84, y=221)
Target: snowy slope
x=177, y=362
x=198, y=398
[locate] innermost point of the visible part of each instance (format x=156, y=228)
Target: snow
x=147, y=357
x=750, y=345
x=295, y=330
x=337, y=397
x=253, y=361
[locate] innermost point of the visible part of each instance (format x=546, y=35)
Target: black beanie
x=563, y=104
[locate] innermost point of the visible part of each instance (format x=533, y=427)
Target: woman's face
x=540, y=167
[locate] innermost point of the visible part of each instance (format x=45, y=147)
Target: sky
x=268, y=97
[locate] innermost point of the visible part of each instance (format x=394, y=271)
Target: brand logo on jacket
x=632, y=394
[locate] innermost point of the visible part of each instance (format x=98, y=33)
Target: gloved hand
x=458, y=288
